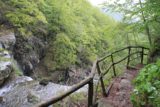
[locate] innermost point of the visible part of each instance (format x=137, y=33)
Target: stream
x=23, y=91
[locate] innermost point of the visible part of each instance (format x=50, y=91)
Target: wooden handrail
x=67, y=93
x=101, y=79
x=89, y=79
x=117, y=62
x=101, y=59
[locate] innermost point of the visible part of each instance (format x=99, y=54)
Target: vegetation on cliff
x=73, y=30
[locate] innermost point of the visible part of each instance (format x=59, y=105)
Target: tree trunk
x=146, y=25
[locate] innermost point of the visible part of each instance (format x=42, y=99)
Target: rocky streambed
x=25, y=92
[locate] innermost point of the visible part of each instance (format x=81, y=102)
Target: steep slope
x=55, y=34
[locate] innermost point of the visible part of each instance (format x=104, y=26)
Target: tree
x=64, y=23
x=141, y=15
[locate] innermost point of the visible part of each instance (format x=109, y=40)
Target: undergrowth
x=147, y=87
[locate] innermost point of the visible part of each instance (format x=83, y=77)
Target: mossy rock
x=44, y=81
x=33, y=98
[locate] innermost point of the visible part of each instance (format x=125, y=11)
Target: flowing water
x=25, y=92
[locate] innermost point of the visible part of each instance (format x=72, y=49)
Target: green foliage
x=141, y=15
x=147, y=87
x=84, y=26
x=16, y=70
x=73, y=29
x=24, y=15
x=63, y=51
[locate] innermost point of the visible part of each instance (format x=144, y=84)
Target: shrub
x=62, y=54
x=147, y=87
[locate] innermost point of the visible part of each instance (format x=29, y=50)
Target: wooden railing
x=114, y=63
x=90, y=78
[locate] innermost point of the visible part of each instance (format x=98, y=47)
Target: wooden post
x=101, y=80
x=114, y=70
x=90, y=93
x=142, y=55
x=129, y=52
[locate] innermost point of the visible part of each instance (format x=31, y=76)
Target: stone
x=28, y=52
x=1, y=81
x=127, y=76
x=27, y=67
x=44, y=82
x=5, y=65
x=125, y=84
x=121, y=96
x=5, y=72
x=32, y=98
x=1, y=99
x=103, y=103
x=7, y=41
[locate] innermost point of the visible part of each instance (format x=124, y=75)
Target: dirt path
x=119, y=95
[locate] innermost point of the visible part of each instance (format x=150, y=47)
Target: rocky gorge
x=19, y=58
x=47, y=46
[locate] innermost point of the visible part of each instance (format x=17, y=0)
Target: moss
x=4, y=59
x=16, y=70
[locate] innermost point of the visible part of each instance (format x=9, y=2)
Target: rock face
x=6, y=44
x=5, y=71
x=7, y=41
x=28, y=51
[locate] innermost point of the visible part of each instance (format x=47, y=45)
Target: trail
x=121, y=89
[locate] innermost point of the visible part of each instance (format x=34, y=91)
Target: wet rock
x=7, y=41
x=9, y=85
x=28, y=52
x=1, y=99
x=33, y=98
x=24, y=92
x=27, y=67
x=5, y=65
x=44, y=82
x=4, y=73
